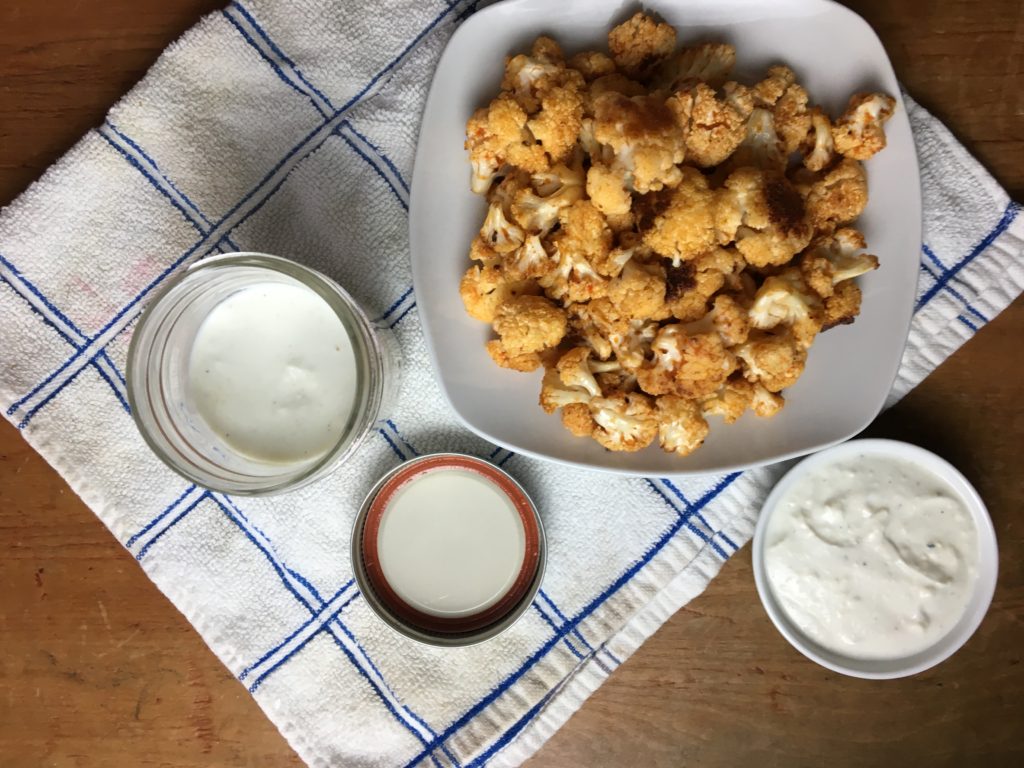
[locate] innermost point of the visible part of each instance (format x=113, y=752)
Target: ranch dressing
x=872, y=557
x=451, y=543
x=272, y=372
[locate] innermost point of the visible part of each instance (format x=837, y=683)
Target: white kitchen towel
x=290, y=128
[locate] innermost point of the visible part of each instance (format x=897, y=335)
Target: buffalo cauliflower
x=761, y=146
x=639, y=43
x=496, y=136
x=690, y=286
x=684, y=225
x=785, y=299
x=775, y=360
x=582, y=239
x=713, y=127
x=499, y=233
x=529, y=324
x=765, y=215
x=639, y=291
x=835, y=197
x=524, y=362
x=664, y=242
x=859, y=133
x=818, y=147
x=485, y=288
x=644, y=138
x=686, y=365
x=592, y=64
x=842, y=306
x=681, y=426
x=624, y=421
x=834, y=259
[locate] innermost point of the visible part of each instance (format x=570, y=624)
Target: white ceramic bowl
x=977, y=606
x=850, y=369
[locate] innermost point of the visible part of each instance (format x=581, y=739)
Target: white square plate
x=850, y=369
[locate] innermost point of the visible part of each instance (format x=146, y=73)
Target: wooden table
x=98, y=669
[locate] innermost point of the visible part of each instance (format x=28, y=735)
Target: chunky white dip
x=872, y=557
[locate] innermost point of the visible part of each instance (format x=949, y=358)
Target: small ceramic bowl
x=984, y=585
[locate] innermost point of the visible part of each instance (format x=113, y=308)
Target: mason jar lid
x=448, y=549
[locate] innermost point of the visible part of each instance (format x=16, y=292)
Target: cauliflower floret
x=591, y=322
x=554, y=394
x=776, y=82
x=689, y=287
x=640, y=42
x=619, y=380
x=497, y=135
x=730, y=320
x=592, y=64
x=681, y=426
x=792, y=118
x=766, y=404
x=646, y=141
x=576, y=370
x=708, y=63
x=528, y=77
x=557, y=189
x=484, y=289
x=713, y=127
x=836, y=198
x=498, y=232
x=785, y=299
x=613, y=83
x=524, y=363
x=818, y=147
x=775, y=360
x=684, y=227
x=568, y=174
x=557, y=124
x=577, y=419
x=625, y=421
x=480, y=251
x=689, y=365
x=632, y=343
x=765, y=215
x=834, y=259
x=607, y=190
x=843, y=305
x=504, y=191
x=639, y=291
x=529, y=324
x=583, y=240
x=731, y=401
x=531, y=259
x=859, y=133
x=761, y=146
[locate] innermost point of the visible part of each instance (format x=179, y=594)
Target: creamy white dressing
x=272, y=372
x=872, y=557
x=451, y=543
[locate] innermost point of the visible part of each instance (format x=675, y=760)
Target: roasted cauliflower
x=665, y=242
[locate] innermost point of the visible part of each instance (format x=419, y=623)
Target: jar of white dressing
x=448, y=550
x=252, y=374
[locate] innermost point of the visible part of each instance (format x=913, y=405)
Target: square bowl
x=850, y=369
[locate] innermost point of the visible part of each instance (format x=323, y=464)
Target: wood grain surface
x=98, y=669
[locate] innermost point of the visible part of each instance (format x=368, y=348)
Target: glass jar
x=162, y=402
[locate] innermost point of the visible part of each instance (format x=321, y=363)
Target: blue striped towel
x=291, y=129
